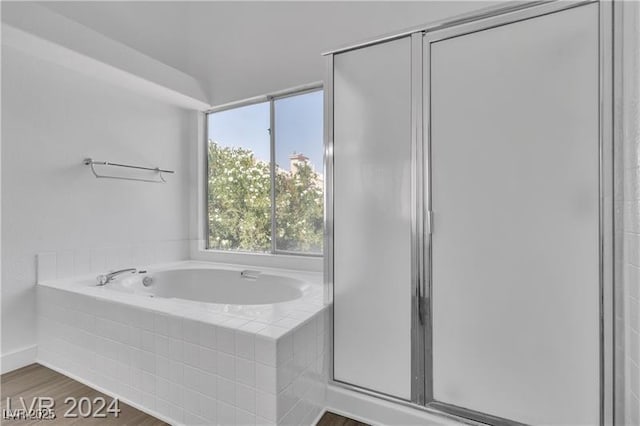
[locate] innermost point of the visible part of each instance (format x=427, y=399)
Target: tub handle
x=250, y=274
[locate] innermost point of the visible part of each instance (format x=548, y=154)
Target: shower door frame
x=422, y=351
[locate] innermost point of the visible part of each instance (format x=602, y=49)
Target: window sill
x=265, y=260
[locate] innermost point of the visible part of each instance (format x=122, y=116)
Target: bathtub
x=194, y=342
x=214, y=285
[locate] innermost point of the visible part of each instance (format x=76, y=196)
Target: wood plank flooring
x=37, y=381
x=331, y=419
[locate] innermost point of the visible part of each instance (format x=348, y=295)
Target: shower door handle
x=428, y=223
x=424, y=265
x=420, y=308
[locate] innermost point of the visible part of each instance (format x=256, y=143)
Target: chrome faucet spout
x=107, y=278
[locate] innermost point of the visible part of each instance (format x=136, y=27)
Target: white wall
x=51, y=119
x=630, y=203
x=0, y=208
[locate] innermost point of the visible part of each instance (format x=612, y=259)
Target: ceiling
x=242, y=49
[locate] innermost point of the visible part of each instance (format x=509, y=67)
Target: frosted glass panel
x=514, y=114
x=372, y=211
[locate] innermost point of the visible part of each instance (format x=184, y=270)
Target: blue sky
x=298, y=128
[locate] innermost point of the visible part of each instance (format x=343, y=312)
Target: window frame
x=271, y=99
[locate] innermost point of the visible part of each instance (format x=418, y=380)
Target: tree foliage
x=239, y=203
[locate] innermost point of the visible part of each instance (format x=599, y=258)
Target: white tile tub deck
x=189, y=362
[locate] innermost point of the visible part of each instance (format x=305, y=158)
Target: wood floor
x=331, y=419
x=37, y=381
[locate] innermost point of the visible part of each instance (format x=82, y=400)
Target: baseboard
x=108, y=393
x=18, y=359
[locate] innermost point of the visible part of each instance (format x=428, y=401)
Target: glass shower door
x=513, y=121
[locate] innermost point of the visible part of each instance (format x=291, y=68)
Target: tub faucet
x=107, y=278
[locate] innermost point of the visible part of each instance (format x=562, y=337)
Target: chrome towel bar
x=91, y=163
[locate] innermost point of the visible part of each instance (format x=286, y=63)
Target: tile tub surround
x=188, y=362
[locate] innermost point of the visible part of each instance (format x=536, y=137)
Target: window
x=264, y=177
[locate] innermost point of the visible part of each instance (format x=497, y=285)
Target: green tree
x=299, y=210
x=239, y=203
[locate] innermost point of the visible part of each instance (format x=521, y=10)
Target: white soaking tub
x=214, y=285
x=194, y=342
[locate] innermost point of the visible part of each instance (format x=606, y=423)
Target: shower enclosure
x=469, y=215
